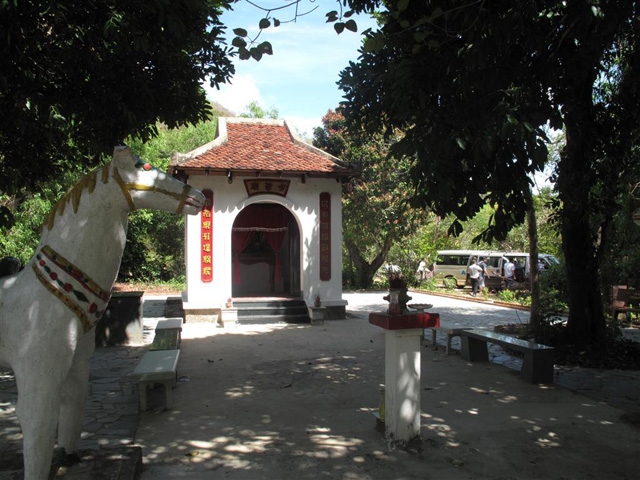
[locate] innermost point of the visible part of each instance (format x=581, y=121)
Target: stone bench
x=168, y=334
x=537, y=365
x=450, y=329
x=159, y=366
x=622, y=297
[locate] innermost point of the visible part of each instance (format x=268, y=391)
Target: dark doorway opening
x=265, y=252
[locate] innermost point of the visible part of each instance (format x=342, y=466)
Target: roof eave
x=177, y=170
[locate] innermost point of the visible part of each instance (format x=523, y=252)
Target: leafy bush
x=21, y=240
x=524, y=298
x=508, y=296
x=431, y=284
x=154, y=249
x=450, y=283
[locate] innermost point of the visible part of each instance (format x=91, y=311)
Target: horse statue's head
x=146, y=187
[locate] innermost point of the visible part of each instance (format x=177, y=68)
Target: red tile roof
x=247, y=146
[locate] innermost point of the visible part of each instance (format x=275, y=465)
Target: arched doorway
x=265, y=243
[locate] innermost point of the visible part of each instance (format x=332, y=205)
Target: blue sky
x=299, y=79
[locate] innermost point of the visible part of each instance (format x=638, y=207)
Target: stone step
x=264, y=311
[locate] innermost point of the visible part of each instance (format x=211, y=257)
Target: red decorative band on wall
x=325, y=236
x=206, y=240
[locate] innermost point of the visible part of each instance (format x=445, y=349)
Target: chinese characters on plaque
x=274, y=186
x=206, y=224
x=325, y=236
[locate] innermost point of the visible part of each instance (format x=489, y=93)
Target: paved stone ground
x=112, y=410
x=619, y=388
x=112, y=414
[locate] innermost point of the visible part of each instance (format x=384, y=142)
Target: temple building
x=272, y=226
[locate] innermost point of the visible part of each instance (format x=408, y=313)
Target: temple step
x=271, y=310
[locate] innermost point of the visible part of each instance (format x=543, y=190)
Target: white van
x=453, y=264
x=497, y=260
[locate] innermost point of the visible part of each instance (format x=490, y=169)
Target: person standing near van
x=484, y=264
x=509, y=269
x=422, y=269
x=518, y=272
x=475, y=272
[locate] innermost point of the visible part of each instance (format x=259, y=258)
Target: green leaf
x=373, y=44
x=256, y=54
x=332, y=16
x=238, y=42
x=455, y=229
x=266, y=48
x=240, y=32
x=244, y=54
x=419, y=36
x=339, y=27
x=351, y=25
x=264, y=23
x=7, y=219
x=461, y=143
x=402, y=5
x=541, y=154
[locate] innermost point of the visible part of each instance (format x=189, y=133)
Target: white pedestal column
x=402, y=381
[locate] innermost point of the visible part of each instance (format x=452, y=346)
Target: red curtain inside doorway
x=271, y=221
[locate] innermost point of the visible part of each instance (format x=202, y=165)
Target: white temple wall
x=302, y=200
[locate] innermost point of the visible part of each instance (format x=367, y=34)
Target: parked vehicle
x=454, y=264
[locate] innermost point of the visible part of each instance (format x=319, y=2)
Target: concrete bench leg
x=142, y=386
x=166, y=384
x=433, y=335
x=474, y=350
x=537, y=366
x=449, y=338
x=168, y=394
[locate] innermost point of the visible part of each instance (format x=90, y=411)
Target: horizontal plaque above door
x=265, y=186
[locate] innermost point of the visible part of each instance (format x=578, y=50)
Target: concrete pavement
x=342, y=350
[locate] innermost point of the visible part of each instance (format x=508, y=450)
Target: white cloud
x=235, y=96
x=304, y=125
x=299, y=80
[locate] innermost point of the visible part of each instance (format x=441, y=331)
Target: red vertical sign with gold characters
x=325, y=236
x=206, y=242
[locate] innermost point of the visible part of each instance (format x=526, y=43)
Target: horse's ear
x=122, y=154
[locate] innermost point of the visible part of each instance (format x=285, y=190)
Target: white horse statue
x=48, y=310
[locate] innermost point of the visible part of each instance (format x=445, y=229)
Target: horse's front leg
x=37, y=409
x=74, y=395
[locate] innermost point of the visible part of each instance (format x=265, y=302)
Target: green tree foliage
x=77, y=78
x=155, y=240
x=433, y=235
x=29, y=213
x=376, y=213
x=254, y=110
x=474, y=84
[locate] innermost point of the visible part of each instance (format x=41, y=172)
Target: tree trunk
x=365, y=271
x=534, y=276
x=586, y=324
